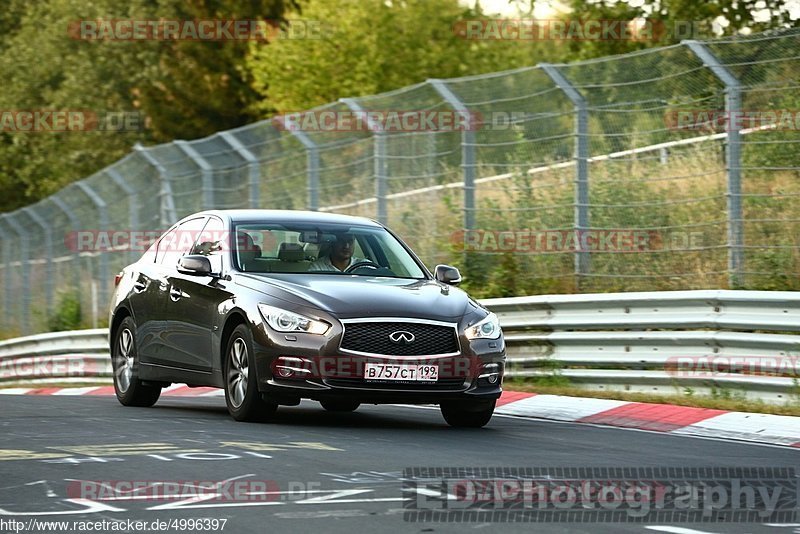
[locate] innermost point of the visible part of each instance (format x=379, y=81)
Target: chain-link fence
x=669, y=168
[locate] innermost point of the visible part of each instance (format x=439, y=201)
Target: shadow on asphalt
x=368, y=416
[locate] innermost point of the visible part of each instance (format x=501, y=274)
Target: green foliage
x=373, y=46
x=67, y=314
x=675, y=20
x=183, y=89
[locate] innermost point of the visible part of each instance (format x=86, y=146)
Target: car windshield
x=322, y=249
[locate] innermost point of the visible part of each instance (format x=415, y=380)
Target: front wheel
x=473, y=414
x=241, y=391
x=125, y=362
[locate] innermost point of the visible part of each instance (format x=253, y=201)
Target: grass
x=697, y=401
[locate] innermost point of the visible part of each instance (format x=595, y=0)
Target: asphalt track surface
x=328, y=472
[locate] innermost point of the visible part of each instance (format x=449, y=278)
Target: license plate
x=401, y=372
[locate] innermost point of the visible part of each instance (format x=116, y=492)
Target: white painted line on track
x=77, y=391
x=678, y=530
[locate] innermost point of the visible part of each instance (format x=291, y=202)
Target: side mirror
x=194, y=264
x=447, y=274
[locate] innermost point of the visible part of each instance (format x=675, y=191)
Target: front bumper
x=326, y=373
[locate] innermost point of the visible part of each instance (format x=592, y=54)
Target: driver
x=340, y=256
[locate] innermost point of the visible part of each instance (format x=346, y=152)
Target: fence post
x=733, y=159
x=581, y=221
x=467, y=150
x=253, y=167
x=48, y=245
x=75, y=223
x=24, y=258
x=102, y=211
x=168, y=215
x=312, y=166
x=133, y=208
x=6, y=281
x=379, y=154
x=206, y=172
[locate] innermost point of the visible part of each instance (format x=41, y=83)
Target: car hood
x=360, y=296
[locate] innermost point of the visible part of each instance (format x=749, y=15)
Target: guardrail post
x=467, y=150
x=206, y=172
x=733, y=159
x=253, y=167
x=102, y=211
x=168, y=214
x=133, y=208
x=379, y=154
x=24, y=258
x=581, y=223
x=48, y=245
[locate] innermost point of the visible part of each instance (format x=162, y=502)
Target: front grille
x=373, y=338
x=443, y=384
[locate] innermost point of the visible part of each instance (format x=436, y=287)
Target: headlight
x=486, y=328
x=286, y=321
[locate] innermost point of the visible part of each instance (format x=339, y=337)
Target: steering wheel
x=362, y=263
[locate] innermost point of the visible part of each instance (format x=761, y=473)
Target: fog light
x=490, y=373
x=291, y=367
x=284, y=372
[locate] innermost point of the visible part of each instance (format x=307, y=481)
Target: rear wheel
x=241, y=391
x=340, y=405
x=473, y=414
x=125, y=362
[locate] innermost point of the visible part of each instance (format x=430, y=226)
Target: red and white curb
x=670, y=419
x=678, y=420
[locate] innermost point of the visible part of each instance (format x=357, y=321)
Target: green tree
x=676, y=20
x=194, y=88
x=183, y=89
x=373, y=46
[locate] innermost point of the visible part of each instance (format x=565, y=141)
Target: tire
x=468, y=415
x=125, y=362
x=340, y=405
x=241, y=389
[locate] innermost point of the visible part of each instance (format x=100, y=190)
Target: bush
x=67, y=315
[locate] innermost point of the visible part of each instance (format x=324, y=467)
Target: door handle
x=139, y=286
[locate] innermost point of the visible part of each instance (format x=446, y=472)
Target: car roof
x=294, y=216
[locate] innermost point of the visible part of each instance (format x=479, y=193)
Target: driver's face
x=342, y=249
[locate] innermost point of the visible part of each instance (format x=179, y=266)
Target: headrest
x=311, y=250
x=291, y=252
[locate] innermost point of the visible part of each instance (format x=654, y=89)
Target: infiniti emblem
x=402, y=337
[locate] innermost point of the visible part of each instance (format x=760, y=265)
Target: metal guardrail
x=77, y=356
x=728, y=343
x=732, y=343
